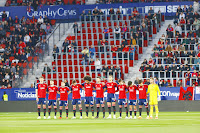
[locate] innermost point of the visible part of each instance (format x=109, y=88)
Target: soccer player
x=154, y=91
x=132, y=99
x=122, y=98
x=41, y=91
x=143, y=98
x=89, y=100
x=52, y=91
x=64, y=92
x=76, y=98
x=99, y=96
x=110, y=86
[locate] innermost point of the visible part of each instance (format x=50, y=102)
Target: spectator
x=13, y=69
x=111, y=70
x=85, y=53
x=176, y=18
x=168, y=48
x=84, y=61
x=196, y=23
x=106, y=33
x=26, y=38
x=182, y=21
x=182, y=15
x=195, y=74
x=124, y=31
x=169, y=84
x=7, y=77
x=95, y=12
x=44, y=45
x=147, y=82
x=43, y=29
x=46, y=20
x=75, y=26
x=151, y=11
x=40, y=20
x=103, y=45
x=185, y=10
x=48, y=28
x=151, y=62
x=179, y=83
x=55, y=51
x=98, y=65
x=69, y=37
x=105, y=70
x=196, y=6
x=117, y=32
x=4, y=17
x=112, y=13
x=170, y=31
x=92, y=52
x=135, y=12
x=125, y=50
x=118, y=14
x=132, y=41
x=136, y=81
x=66, y=83
x=118, y=71
x=46, y=69
x=178, y=28
x=179, y=10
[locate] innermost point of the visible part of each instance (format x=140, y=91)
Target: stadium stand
x=104, y=44
x=176, y=56
x=40, y=3
x=19, y=49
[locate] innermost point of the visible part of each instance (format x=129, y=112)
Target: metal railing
x=179, y=60
x=170, y=75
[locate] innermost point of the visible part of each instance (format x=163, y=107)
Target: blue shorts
x=76, y=101
x=111, y=97
x=143, y=102
x=89, y=100
x=122, y=101
x=133, y=102
x=99, y=101
x=52, y=102
x=63, y=103
x=42, y=101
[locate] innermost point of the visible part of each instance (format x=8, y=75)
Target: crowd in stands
x=18, y=37
x=39, y=3
x=131, y=35
x=178, y=51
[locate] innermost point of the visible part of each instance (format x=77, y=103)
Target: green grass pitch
x=168, y=122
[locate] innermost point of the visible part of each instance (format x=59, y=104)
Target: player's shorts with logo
x=76, y=101
x=153, y=102
x=99, y=101
x=143, y=102
x=63, y=103
x=111, y=97
x=133, y=102
x=122, y=101
x=52, y=102
x=41, y=101
x=89, y=100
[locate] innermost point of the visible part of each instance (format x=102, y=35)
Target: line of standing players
x=89, y=87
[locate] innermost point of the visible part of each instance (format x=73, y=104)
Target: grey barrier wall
x=164, y=106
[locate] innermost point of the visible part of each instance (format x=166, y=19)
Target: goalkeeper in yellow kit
x=154, y=91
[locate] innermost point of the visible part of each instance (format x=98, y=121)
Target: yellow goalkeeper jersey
x=153, y=90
